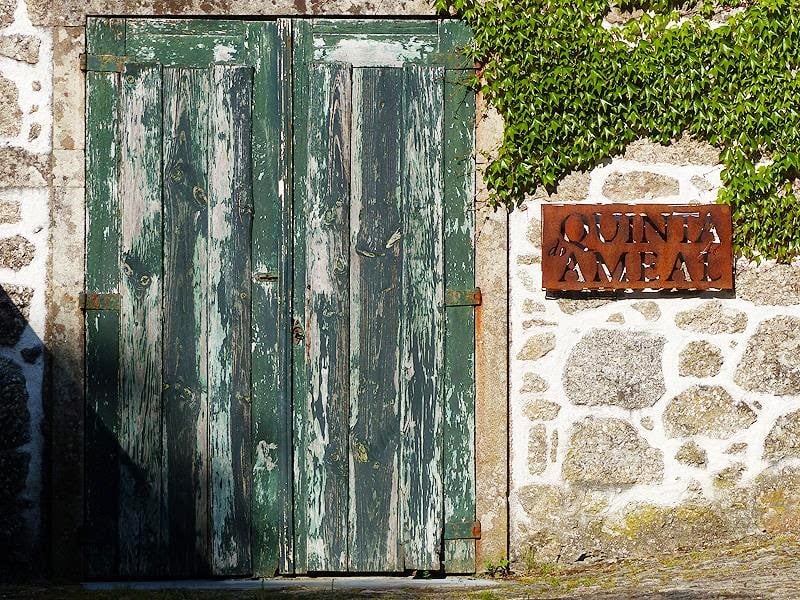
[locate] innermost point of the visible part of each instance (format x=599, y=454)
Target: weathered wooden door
x=383, y=369
x=182, y=317
x=279, y=348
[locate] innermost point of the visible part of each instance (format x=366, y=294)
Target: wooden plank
x=271, y=492
x=229, y=267
x=185, y=397
x=459, y=352
x=286, y=284
x=327, y=316
x=421, y=492
x=139, y=432
x=378, y=43
x=211, y=27
x=375, y=296
x=301, y=49
x=369, y=50
x=187, y=50
x=102, y=450
x=102, y=327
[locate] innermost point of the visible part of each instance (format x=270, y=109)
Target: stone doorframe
x=64, y=337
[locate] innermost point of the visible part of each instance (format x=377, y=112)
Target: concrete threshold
x=364, y=584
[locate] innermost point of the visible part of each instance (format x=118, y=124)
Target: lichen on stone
x=571, y=306
x=531, y=306
x=783, y=440
x=537, y=346
x=10, y=212
x=541, y=410
x=638, y=185
x=691, y=454
x=712, y=317
x=768, y=283
x=11, y=115
x=609, y=452
x=706, y=410
x=531, y=382
x=770, y=360
x=537, y=449
x=621, y=368
x=699, y=359
x=648, y=309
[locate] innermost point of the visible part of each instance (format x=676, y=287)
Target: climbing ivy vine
x=574, y=90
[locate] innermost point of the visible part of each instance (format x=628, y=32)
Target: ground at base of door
x=748, y=570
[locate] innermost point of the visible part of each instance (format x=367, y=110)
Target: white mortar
x=33, y=225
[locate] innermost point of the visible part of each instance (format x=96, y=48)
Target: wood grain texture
x=327, y=316
x=375, y=297
x=136, y=27
x=421, y=486
x=229, y=268
x=102, y=327
x=459, y=273
x=141, y=290
x=296, y=262
x=185, y=372
x=271, y=491
x=286, y=535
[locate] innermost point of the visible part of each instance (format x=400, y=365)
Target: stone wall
x=636, y=422
x=25, y=126
x=650, y=421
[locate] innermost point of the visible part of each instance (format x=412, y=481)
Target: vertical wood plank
x=272, y=181
x=327, y=316
x=288, y=520
x=185, y=395
x=421, y=490
x=140, y=323
x=101, y=494
x=375, y=297
x=230, y=216
x=102, y=327
x=296, y=259
x=269, y=493
x=459, y=360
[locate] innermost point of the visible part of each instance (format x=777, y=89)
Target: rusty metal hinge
x=108, y=63
x=463, y=297
x=466, y=530
x=95, y=301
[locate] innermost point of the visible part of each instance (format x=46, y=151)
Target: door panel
x=376, y=300
x=102, y=452
x=141, y=281
x=422, y=327
x=185, y=394
x=230, y=212
x=371, y=459
x=327, y=319
x=273, y=217
x=181, y=429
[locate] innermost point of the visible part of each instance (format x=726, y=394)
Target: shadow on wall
x=28, y=424
x=21, y=439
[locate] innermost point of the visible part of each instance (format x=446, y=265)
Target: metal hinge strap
x=95, y=301
x=467, y=530
x=108, y=63
x=463, y=297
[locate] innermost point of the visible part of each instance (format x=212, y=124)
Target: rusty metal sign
x=636, y=246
